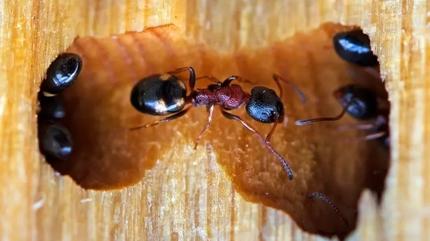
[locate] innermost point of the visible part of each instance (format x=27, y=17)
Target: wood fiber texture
x=37, y=204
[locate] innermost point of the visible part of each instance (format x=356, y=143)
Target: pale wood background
x=36, y=204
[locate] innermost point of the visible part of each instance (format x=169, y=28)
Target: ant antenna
x=322, y=197
x=293, y=86
x=305, y=122
x=266, y=143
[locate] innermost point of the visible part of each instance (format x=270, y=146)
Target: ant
x=55, y=140
x=362, y=104
x=166, y=94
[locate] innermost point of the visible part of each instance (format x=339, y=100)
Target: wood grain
x=36, y=204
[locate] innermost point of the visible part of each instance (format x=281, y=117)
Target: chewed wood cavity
x=109, y=152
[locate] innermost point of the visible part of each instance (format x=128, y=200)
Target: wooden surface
x=37, y=204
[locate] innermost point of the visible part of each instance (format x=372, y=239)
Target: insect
x=51, y=107
x=55, y=141
x=361, y=103
x=354, y=47
x=61, y=73
x=166, y=94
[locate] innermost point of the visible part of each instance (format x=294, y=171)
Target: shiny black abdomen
x=159, y=95
x=363, y=102
x=55, y=142
x=354, y=47
x=62, y=73
x=264, y=105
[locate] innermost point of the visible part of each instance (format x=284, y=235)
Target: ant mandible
x=362, y=104
x=166, y=94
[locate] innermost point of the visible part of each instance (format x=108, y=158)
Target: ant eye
x=62, y=73
x=264, y=105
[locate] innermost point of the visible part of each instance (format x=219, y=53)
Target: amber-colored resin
x=108, y=155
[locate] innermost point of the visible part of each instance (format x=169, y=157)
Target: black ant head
x=361, y=102
x=264, y=105
x=159, y=95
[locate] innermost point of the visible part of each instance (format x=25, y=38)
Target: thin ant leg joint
x=166, y=119
x=210, y=110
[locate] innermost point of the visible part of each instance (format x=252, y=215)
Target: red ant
x=166, y=94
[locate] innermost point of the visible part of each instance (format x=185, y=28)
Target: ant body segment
x=61, y=74
x=55, y=140
x=166, y=94
x=362, y=104
x=354, y=47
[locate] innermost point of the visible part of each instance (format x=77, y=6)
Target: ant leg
x=266, y=143
x=305, y=122
x=227, y=81
x=210, y=110
x=375, y=136
x=281, y=91
x=322, y=197
x=357, y=126
x=281, y=94
x=191, y=72
x=166, y=119
x=295, y=88
x=269, y=135
x=211, y=78
x=376, y=124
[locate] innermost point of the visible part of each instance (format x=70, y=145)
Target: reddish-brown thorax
x=228, y=97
